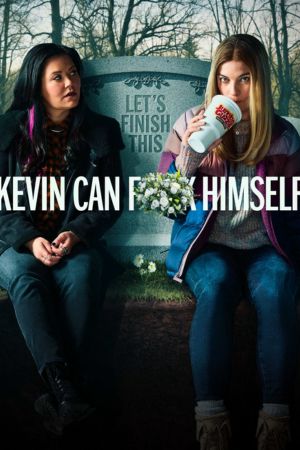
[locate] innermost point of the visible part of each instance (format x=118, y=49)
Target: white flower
x=151, y=267
x=143, y=271
x=138, y=260
x=183, y=180
x=149, y=192
x=174, y=188
x=171, y=210
x=163, y=194
x=155, y=204
x=183, y=200
x=164, y=201
x=142, y=185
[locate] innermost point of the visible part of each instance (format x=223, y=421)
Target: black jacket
x=98, y=157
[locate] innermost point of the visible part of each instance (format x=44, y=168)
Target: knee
x=275, y=303
x=217, y=296
x=214, y=287
x=25, y=285
x=21, y=270
x=29, y=277
x=275, y=289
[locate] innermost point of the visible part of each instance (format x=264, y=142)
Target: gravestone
x=146, y=95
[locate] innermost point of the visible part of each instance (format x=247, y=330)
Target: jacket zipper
x=28, y=210
x=178, y=275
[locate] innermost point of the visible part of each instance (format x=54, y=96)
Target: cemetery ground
x=146, y=381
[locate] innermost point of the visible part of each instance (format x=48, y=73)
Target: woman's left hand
x=62, y=245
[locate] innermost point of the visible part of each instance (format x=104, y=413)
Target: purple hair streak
x=31, y=121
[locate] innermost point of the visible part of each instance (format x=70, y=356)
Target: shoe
x=213, y=432
x=45, y=407
x=69, y=406
x=273, y=433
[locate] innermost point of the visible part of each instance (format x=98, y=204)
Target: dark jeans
x=56, y=308
x=217, y=277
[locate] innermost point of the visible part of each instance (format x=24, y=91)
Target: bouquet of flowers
x=169, y=194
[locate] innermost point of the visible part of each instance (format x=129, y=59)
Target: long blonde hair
x=246, y=48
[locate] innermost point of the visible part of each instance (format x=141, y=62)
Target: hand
x=196, y=124
x=41, y=249
x=62, y=245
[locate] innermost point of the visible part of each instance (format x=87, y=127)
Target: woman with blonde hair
x=218, y=253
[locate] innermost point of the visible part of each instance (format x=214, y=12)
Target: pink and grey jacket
x=191, y=232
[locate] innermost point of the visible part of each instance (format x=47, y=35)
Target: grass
x=151, y=287
x=3, y=294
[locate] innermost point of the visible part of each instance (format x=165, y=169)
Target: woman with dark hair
x=219, y=252
x=51, y=258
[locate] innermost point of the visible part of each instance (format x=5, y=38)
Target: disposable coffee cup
x=221, y=114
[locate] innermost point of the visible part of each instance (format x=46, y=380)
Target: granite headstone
x=146, y=95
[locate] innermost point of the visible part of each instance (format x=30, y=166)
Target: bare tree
x=230, y=16
x=57, y=22
x=13, y=13
x=286, y=41
x=279, y=29
x=86, y=28
x=132, y=27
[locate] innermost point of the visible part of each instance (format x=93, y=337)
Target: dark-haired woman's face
x=60, y=85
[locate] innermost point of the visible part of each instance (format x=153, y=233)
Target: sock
x=209, y=407
x=276, y=409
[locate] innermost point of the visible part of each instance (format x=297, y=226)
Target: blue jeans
x=56, y=308
x=217, y=277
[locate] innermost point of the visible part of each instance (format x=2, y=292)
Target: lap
x=81, y=262
x=215, y=266
x=252, y=271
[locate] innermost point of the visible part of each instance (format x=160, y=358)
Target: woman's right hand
x=41, y=249
x=196, y=124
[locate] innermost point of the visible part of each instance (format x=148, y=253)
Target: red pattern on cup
x=225, y=116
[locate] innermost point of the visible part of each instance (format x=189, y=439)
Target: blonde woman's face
x=234, y=81
x=60, y=84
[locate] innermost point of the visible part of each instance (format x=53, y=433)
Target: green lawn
x=151, y=287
